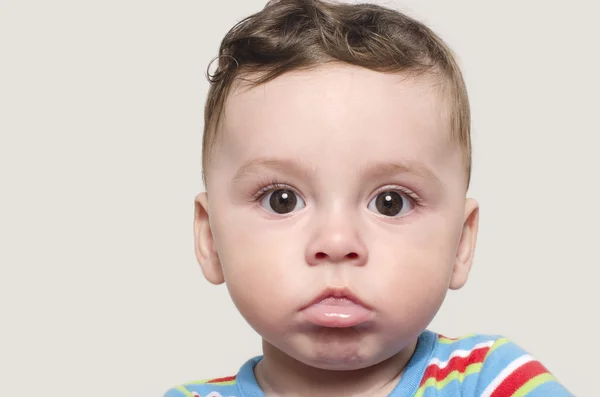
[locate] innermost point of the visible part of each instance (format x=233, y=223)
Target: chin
x=341, y=363
x=338, y=356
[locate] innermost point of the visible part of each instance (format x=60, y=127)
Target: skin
x=336, y=136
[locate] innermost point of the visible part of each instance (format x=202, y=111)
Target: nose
x=336, y=240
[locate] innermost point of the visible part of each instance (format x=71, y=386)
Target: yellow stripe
x=499, y=342
x=533, y=383
x=198, y=382
x=448, y=341
x=185, y=391
x=454, y=375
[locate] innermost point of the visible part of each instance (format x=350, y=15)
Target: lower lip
x=337, y=313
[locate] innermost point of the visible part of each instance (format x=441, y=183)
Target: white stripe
x=506, y=372
x=459, y=353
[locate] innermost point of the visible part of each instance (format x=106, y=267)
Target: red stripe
x=518, y=378
x=459, y=364
x=222, y=380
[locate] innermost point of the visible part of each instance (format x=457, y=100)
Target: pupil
x=389, y=203
x=283, y=201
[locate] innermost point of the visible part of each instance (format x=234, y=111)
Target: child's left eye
x=282, y=201
x=391, y=203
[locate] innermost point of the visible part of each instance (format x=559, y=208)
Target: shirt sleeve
x=509, y=371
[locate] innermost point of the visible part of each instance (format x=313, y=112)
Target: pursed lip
x=340, y=293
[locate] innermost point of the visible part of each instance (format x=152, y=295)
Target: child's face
x=337, y=178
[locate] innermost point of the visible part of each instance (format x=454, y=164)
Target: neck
x=280, y=375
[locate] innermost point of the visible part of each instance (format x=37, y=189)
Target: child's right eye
x=282, y=201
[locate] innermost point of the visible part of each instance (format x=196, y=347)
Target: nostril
x=321, y=255
x=352, y=255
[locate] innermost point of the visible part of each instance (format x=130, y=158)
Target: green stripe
x=185, y=391
x=497, y=344
x=533, y=383
x=446, y=341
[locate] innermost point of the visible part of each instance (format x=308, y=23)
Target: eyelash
x=265, y=187
x=414, y=197
x=262, y=189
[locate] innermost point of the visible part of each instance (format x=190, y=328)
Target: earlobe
x=204, y=245
x=466, y=245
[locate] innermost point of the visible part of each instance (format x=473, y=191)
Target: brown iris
x=389, y=203
x=283, y=201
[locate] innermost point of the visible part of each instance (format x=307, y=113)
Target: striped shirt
x=474, y=365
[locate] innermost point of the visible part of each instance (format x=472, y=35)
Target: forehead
x=346, y=113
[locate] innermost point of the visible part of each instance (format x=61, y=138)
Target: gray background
x=100, y=121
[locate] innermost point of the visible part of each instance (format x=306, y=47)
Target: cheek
x=415, y=265
x=256, y=263
x=436, y=237
x=248, y=243
x=412, y=288
x=245, y=255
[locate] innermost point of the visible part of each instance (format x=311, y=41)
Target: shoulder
x=510, y=370
x=490, y=366
x=460, y=356
x=454, y=364
x=220, y=387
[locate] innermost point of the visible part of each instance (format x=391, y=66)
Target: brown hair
x=298, y=34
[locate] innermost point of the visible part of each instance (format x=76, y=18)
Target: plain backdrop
x=100, y=119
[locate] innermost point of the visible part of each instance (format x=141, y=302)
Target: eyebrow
x=286, y=165
x=379, y=169
x=373, y=170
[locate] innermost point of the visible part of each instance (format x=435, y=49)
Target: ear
x=204, y=244
x=466, y=245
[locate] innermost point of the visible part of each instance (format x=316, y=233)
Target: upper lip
x=337, y=293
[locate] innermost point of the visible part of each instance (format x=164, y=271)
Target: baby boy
x=336, y=159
